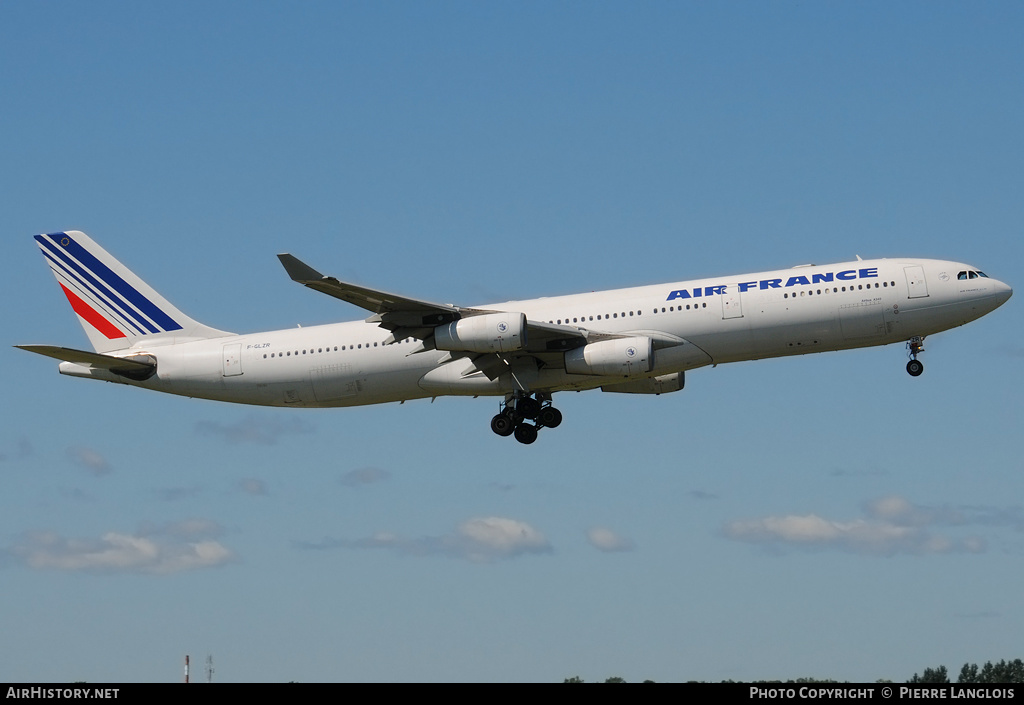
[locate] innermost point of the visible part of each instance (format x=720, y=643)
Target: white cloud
x=172, y=548
x=1011, y=517
x=899, y=511
x=701, y=494
x=893, y=526
x=364, y=476
x=252, y=486
x=497, y=537
x=173, y=494
x=608, y=541
x=90, y=459
x=24, y=450
x=480, y=539
x=260, y=430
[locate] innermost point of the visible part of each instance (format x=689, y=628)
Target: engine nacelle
x=622, y=357
x=489, y=332
x=662, y=384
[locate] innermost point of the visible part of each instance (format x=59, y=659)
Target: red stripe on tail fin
x=92, y=316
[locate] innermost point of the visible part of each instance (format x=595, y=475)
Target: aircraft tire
x=526, y=433
x=550, y=417
x=915, y=368
x=503, y=425
x=528, y=407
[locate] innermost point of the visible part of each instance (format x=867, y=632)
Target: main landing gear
x=916, y=345
x=523, y=416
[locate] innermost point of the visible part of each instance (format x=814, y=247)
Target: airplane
x=639, y=340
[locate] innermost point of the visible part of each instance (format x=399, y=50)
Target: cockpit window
x=972, y=275
x=982, y=274
x=961, y=275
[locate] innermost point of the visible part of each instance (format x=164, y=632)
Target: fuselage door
x=232, y=360
x=731, y=306
x=917, y=287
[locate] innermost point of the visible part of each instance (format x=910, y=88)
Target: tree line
x=1002, y=672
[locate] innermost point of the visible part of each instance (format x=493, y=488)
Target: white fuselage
x=723, y=319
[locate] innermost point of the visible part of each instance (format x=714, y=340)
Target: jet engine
x=622, y=357
x=489, y=332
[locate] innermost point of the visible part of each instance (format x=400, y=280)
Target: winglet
x=298, y=270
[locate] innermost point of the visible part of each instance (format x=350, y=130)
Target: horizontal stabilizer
x=138, y=367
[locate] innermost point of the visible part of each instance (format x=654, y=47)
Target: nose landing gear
x=524, y=416
x=916, y=345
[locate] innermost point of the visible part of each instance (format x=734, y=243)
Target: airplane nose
x=1003, y=292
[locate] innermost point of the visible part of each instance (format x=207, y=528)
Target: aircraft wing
x=414, y=311
x=415, y=318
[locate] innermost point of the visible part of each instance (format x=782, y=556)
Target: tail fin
x=116, y=308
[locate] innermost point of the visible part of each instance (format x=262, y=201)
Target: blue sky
x=823, y=516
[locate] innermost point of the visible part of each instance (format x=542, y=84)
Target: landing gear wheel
x=916, y=346
x=503, y=425
x=526, y=433
x=549, y=416
x=528, y=407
